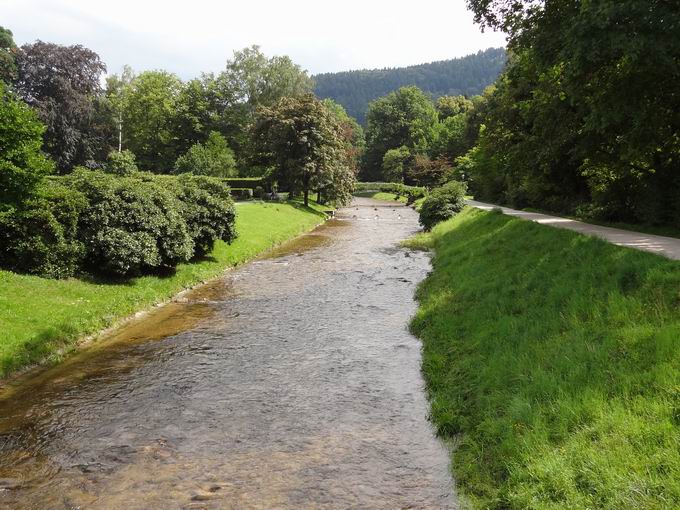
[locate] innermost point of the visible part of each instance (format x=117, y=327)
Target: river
x=291, y=382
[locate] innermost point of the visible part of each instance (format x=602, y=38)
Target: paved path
x=666, y=246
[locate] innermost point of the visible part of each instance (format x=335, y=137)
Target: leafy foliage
x=442, y=203
x=149, y=116
x=463, y=76
x=62, y=83
x=121, y=163
x=214, y=158
x=394, y=164
x=572, y=128
x=41, y=236
x=22, y=165
x=206, y=207
x=131, y=225
x=305, y=143
x=405, y=118
x=8, y=49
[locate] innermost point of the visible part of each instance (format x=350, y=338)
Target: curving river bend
x=291, y=382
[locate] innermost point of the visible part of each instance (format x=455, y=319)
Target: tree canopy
x=407, y=118
x=22, y=164
x=305, y=143
x=62, y=83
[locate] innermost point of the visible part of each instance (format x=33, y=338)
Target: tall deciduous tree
x=252, y=80
x=63, y=84
x=406, y=117
x=117, y=92
x=22, y=164
x=150, y=112
x=590, y=100
x=303, y=140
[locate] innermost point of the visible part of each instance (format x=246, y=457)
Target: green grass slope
x=40, y=317
x=554, y=359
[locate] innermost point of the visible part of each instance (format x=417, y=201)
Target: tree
x=450, y=106
x=117, y=91
x=395, y=163
x=450, y=140
x=569, y=125
x=252, y=80
x=8, y=49
x=213, y=158
x=150, y=112
x=407, y=118
x=22, y=165
x=63, y=84
x=429, y=172
x=197, y=112
x=303, y=140
x=121, y=163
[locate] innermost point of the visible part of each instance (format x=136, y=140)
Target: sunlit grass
x=555, y=358
x=39, y=317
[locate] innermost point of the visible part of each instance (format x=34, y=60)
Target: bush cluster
x=41, y=236
x=115, y=225
x=442, y=203
x=121, y=163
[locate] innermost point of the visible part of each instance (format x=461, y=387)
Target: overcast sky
x=190, y=36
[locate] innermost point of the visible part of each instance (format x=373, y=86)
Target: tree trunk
x=305, y=185
x=318, y=197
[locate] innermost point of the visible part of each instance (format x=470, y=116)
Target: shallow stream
x=291, y=382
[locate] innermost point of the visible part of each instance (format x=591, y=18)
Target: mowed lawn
x=554, y=360
x=40, y=317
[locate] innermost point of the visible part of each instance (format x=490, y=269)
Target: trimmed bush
x=206, y=207
x=115, y=225
x=41, y=237
x=442, y=203
x=121, y=163
x=131, y=226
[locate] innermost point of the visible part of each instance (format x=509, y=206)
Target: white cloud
x=190, y=36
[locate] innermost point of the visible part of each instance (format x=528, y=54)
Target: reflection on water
x=290, y=383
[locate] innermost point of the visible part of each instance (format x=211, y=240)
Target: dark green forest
x=465, y=76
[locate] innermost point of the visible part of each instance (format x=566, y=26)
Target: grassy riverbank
x=40, y=317
x=554, y=358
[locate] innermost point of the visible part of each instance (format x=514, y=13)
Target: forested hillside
x=466, y=76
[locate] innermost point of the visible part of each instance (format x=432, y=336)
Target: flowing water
x=291, y=382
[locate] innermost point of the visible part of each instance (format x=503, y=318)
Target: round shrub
x=121, y=163
x=442, y=203
x=131, y=226
x=40, y=237
x=206, y=207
